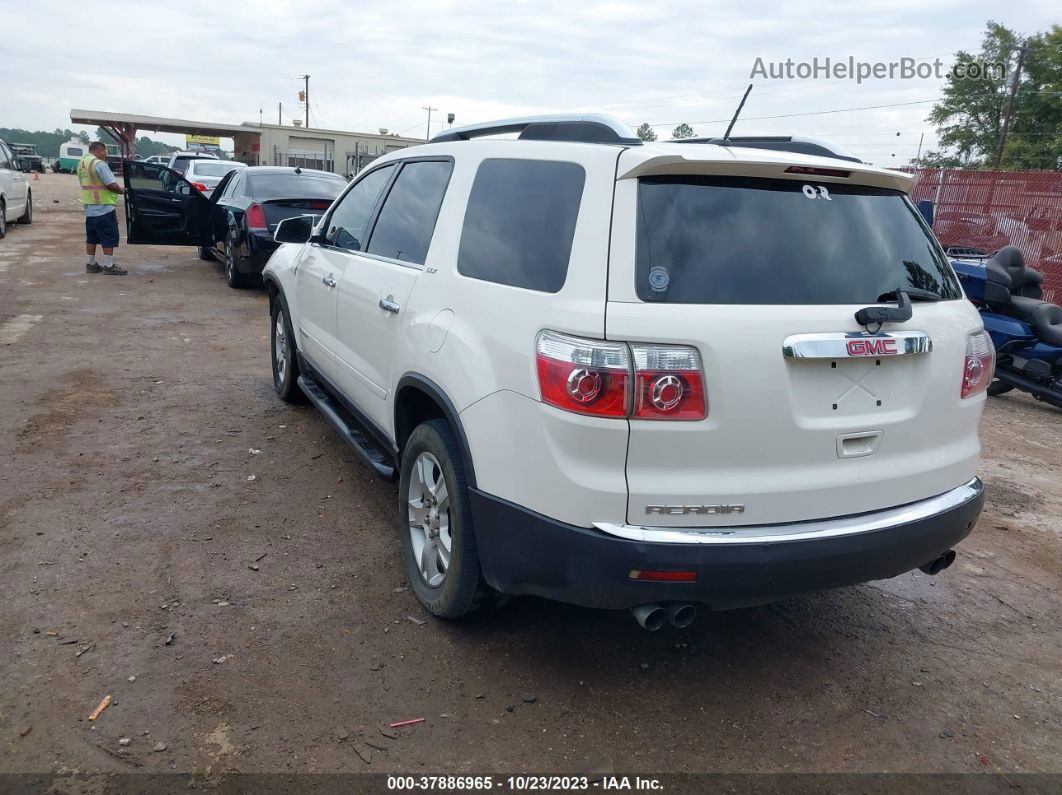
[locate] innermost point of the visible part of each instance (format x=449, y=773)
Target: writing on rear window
x=740, y=240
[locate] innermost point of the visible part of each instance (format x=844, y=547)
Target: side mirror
x=295, y=230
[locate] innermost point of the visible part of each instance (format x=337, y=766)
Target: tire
x=27, y=217
x=285, y=362
x=233, y=277
x=433, y=508
x=999, y=387
x=3, y=220
x=206, y=254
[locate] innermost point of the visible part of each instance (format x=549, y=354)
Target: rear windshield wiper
x=879, y=315
x=914, y=293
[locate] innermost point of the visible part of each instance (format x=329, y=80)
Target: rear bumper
x=260, y=247
x=522, y=552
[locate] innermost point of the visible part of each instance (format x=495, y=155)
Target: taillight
x=199, y=186
x=668, y=383
x=256, y=217
x=980, y=363
x=614, y=379
x=584, y=376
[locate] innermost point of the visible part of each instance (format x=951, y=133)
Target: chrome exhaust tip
x=650, y=616
x=939, y=564
x=681, y=614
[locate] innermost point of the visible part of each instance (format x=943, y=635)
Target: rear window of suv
x=715, y=240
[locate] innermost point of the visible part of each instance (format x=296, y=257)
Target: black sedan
x=236, y=223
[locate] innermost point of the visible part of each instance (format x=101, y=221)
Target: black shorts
x=102, y=230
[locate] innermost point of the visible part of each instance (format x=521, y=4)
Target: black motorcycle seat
x=1023, y=281
x=1045, y=318
x=1047, y=322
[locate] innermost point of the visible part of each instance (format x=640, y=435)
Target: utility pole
x=306, y=97
x=259, y=117
x=1014, y=80
x=918, y=157
x=428, y=108
x=280, y=113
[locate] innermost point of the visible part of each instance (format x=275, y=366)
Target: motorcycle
x=1026, y=330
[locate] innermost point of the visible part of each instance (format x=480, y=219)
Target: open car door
x=163, y=208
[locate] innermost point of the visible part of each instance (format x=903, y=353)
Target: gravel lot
x=163, y=516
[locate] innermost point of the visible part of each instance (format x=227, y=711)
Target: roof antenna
x=726, y=135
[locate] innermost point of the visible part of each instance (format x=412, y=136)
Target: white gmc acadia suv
x=639, y=376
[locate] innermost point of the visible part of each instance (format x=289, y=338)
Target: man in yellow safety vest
x=99, y=194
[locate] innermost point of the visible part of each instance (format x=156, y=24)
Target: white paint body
x=14, y=187
x=766, y=443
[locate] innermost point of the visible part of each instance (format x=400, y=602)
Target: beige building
x=259, y=144
x=329, y=150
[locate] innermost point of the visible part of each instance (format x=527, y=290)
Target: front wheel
x=3, y=220
x=435, y=517
x=999, y=387
x=285, y=362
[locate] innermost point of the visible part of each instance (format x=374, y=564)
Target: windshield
x=296, y=186
x=180, y=164
x=213, y=168
x=715, y=240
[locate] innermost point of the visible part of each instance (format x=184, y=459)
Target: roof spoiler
x=783, y=143
x=590, y=128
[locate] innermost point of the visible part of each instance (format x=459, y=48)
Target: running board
x=348, y=428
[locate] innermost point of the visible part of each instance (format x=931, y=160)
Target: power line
x=809, y=113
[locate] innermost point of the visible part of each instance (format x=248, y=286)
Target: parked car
x=206, y=174
x=16, y=197
x=979, y=231
x=236, y=223
x=644, y=376
x=31, y=161
x=179, y=161
x=162, y=160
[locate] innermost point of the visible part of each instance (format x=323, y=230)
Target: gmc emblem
x=683, y=510
x=874, y=346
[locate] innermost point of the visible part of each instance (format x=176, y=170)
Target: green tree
x=645, y=132
x=47, y=143
x=683, y=131
x=969, y=118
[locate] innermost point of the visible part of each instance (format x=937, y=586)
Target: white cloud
x=375, y=65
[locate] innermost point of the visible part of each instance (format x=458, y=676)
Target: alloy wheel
x=230, y=260
x=429, y=519
x=280, y=348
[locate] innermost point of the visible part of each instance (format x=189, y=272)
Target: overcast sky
x=376, y=64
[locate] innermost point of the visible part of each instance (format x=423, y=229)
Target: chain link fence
x=986, y=210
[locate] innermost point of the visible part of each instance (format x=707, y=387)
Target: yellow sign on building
x=209, y=140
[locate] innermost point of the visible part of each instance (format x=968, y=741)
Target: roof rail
x=805, y=145
x=589, y=128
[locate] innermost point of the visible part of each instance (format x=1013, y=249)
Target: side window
x=407, y=220
x=346, y=225
x=520, y=223
x=150, y=177
x=233, y=186
x=5, y=158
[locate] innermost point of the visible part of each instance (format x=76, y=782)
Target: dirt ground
x=175, y=536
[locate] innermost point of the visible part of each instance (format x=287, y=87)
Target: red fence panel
x=991, y=209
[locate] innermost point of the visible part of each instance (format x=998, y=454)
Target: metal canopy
x=124, y=126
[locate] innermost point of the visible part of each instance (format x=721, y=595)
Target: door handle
x=388, y=305
x=329, y=281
